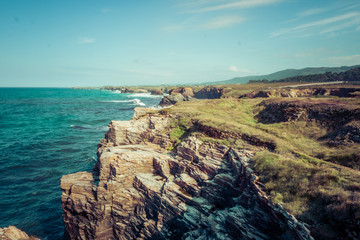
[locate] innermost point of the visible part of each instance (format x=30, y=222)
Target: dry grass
x=302, y=173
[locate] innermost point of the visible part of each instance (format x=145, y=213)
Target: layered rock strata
x=13, y=233
x=341, y=120
x=303, y=92
x=140, y=191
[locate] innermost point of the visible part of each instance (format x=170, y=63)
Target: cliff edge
x=146, y=185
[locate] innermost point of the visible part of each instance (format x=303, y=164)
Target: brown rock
x=185, y=91
x=13, y=233
x=139, y=191
x=156, y=92
x=209, y=93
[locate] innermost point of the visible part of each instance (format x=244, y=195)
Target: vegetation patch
x=316, y=182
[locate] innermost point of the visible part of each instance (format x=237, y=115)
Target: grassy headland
x=313, y=177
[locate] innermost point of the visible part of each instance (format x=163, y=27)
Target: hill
x=285, y=74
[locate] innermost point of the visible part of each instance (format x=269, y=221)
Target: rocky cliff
x=13, y=233
x=303, y=92
x=139, y=190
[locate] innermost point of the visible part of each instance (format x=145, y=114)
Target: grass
x=317, y=183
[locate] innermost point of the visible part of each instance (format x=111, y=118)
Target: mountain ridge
x=284, y=74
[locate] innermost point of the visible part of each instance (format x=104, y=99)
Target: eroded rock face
x=13, y=233
x=304, y=92
x=342, y=121
x=140, y=191
x=185, y=91
x=209, y=93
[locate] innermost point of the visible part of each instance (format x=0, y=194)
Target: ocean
x=46, y=133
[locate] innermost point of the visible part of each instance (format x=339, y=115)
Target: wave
x=78, y=127
x=134, y=101
x=138, y=102
x=117, y=101
x=100, y=128
x=117, y=91
x=143, y=95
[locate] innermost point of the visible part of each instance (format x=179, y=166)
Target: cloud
x=215, y=23
x=233, y=68
x=222, y=22
x=312, y=11
x=234, y=4
x=344, y=60
x=307, y=13
x=86, y=40
x=353, y=16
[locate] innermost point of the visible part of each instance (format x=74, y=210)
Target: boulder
x=13, y=233
x=173, y=99
x=209, y=93
x=185, y=91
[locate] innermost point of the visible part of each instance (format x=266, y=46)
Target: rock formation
x=209, y=93
x=342, y=121
x=185, y=91
x=303, y=92
x=201, y=190
x=13, y=233
x=173, y=99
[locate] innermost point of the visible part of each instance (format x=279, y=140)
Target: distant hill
x=285, y=74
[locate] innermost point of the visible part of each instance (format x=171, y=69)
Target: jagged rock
x=303, y=92
x=342, y=122
x=185, y=91
x=139, y=191
x=13, y=233
x=209, y=93
x=156, y=92
x=173, y=99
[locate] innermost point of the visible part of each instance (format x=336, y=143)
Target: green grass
x=315, y=182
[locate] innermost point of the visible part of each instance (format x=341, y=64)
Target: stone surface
x=13, y=233
x=140, y=191
x=185, y=91
x=209, y=93
x=173, y=99
x=302, y=92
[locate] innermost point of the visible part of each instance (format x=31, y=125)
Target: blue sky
x=96, y=43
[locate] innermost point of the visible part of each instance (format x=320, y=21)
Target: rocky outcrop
x=156, y=92
x=341, y=120
x=13, y=233
x=185, y=91
x=310, y=92
x=173, y=99
x=203, y=190
x=209, y=93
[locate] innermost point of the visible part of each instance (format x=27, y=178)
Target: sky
x=49, y=43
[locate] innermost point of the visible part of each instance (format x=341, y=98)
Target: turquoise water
x=44, y=134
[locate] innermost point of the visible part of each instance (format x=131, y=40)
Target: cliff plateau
x=139, y=189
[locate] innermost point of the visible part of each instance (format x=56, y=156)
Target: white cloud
x=222, y=22
x=235, y=4
x=344, y=60
x=215, y=23
x=307, y=13
x=85, y=40
x=312, y=11
x=233, y=68
x=353, y=16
